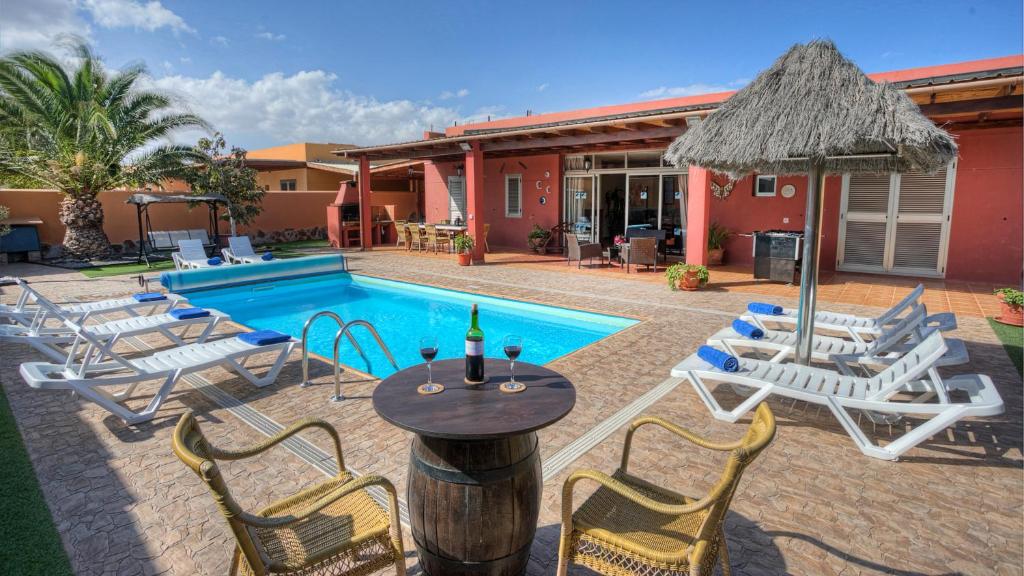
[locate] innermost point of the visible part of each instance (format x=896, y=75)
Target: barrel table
x=474, y=481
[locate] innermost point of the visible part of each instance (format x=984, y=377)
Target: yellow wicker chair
x=632, y=527
x=400, y=234
x=333, y=528
x=436, y=240
x=416, y=238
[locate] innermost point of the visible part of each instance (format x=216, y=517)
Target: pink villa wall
x=507, y=232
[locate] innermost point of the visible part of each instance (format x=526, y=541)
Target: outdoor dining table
x=474, y=482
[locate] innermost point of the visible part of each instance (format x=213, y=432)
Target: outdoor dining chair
x=416, y=239
x=400, y=233
x=335, y=527
x=631, y=526
x=641, y=252
x=580, y=250
x=435, y=240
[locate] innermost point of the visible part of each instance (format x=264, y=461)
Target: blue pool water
x=403, y=313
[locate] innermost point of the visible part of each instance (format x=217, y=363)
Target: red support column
x=698, y=215
x=365, y=213
x=475, y=199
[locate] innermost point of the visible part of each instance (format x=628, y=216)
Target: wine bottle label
x=474, y=348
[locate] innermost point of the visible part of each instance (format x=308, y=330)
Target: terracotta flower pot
x=465, y=259
x=690, y=281
x=1010, y=314
x=715, y=256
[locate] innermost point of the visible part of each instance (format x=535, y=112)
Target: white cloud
x=149, y=16
x=271, y=36
x=305, y=106
x=542, y=87
x=168, y=66
x=185, y=60
x=34, y=24
x=448, y=94
x=219, y=40
x=693, y=89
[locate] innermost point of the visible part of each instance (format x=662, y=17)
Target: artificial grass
x=31, y=544
x=1012, y=338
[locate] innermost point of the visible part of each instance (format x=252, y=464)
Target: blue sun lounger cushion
x=149, y=297
x=264, y=337
x=189, y=313
x=718, y=359
x=762, y=308
x=747, y=329
x=267, y=257
x=215, y=261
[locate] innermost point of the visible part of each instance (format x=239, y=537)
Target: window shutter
x=922, y=193
x=457, y=198
x=865, y=243
x=866, y=208
x=513, y=196
x=919, y=221
x=869, y=193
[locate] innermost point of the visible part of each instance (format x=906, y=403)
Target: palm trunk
x=84, y=238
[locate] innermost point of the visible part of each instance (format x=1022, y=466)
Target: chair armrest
x=228, y=255
x=255, y=449
x=678, y=431
x=942, y=321
x=626, y=492
x=319, y=504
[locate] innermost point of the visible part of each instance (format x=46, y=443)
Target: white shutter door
x=456, y=198
x=920, y=222
x=866, y=200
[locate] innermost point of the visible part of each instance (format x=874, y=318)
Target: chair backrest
x=192, y=249
x=192, y=448
x=896, y=333
x=757, y=437
x=646, y=233
x=572, y=243
x=903, y=304
x=199, y=234
x=431, y=232
x=643, y=250
x=917, y=361
x=241, y=246
x=160, y=240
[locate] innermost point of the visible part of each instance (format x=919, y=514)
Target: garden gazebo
x=143, y=200
x=814, y=112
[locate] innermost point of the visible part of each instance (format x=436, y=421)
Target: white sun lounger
x=190, y=255
x=91, y=378
x=849, y=325
x=844, y=392
x=26, y=309
x=894, y=341
x=239, y=251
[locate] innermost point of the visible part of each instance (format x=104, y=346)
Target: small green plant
x=717, y=236
x=537, y=237
x=675, y=273
x=463, y=243
x=1012, y=296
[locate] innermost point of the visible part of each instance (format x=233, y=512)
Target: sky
x=268, y=72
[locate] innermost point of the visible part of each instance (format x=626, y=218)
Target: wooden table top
x=463, y=412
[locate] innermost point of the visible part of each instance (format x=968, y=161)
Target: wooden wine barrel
x=473, y=505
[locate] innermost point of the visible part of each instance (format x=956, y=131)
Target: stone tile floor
x=812, y=504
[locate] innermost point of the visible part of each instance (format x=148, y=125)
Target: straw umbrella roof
x=814, y=106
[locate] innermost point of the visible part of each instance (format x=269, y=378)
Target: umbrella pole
x=809, y=266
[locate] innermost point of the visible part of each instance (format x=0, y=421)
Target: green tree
x=82, y=130
x=225, y=174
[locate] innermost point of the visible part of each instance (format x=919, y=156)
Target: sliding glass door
x=579, y=205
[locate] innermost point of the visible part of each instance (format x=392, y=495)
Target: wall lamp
x=466, y=146
x=458, y=170
x=586, y=164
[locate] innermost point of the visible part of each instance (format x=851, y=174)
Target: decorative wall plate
x=538, y=184
x=547, y=174
x=543, y=200
x=788, y=191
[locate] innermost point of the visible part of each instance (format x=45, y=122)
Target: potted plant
x=717, y=236
x=464, y=248
x=1011, y=302
x=686, y=276
x=538, y=239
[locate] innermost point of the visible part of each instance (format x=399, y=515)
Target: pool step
x=344, y=329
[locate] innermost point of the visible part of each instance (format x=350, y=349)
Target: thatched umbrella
x=814, y=112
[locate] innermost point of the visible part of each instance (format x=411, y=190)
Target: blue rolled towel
x=264, y=337
x=762, y=308
x=747, y=329
x=718, y=359
x=149, y=297
x=267, y=256
x=189, y=313
x=215, y=261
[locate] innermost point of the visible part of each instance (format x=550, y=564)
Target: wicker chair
x=335, y=527
x=416, y=239
x=487, y=230
x=632, y=527
x=435, y=240
x=578, y=251
x=400, y=233
x=641, y=251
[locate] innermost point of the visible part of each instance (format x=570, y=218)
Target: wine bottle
x=475, y=349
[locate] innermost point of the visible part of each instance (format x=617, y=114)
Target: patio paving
x=812, y=504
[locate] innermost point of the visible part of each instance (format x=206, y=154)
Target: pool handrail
x=345, y=330
x=305, y=344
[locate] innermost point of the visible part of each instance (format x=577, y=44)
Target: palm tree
x=82, y=130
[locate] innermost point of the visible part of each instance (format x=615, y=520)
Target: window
x=513, y=196
x=764, y=186
x=456, y=199
x=288, y=185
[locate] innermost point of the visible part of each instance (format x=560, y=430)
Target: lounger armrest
x=941, y=321
x=844, y=363
x=228, y=255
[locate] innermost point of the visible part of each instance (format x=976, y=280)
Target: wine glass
x=428, y=350
x=513, y=347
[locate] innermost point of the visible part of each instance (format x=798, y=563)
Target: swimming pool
x=403, y=313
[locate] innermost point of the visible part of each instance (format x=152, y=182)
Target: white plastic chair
x=190, y=255
x=914, y=374
x=240, y=251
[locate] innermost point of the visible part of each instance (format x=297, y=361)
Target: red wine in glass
x=428, y=350
x=513, y=347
